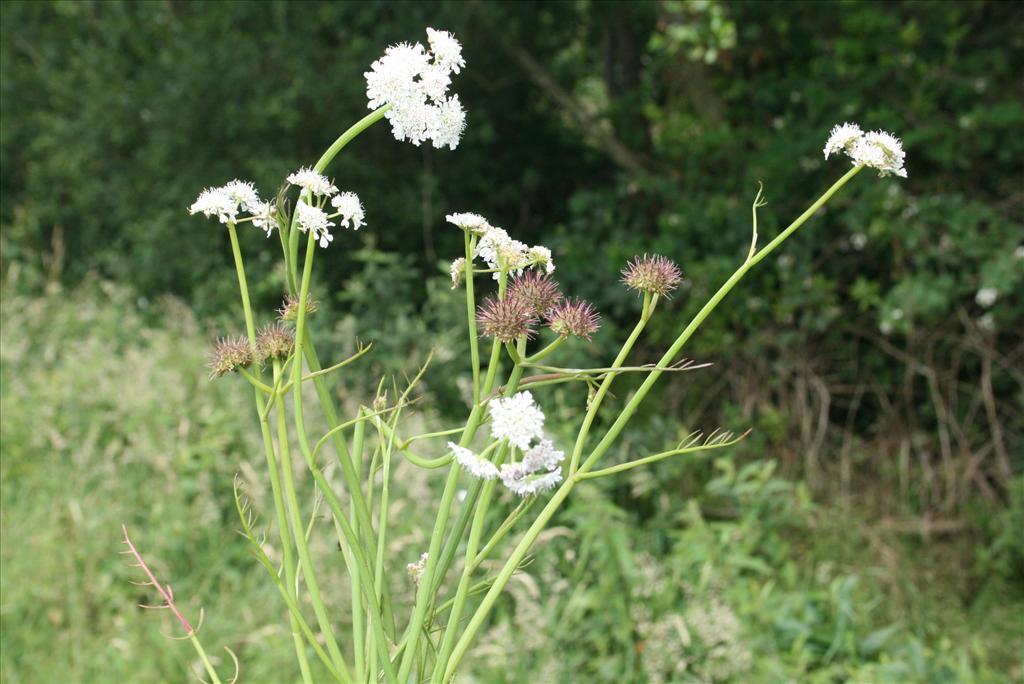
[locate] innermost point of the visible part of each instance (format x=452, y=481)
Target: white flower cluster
x=519, y=420
x=497, y=248
x=350, y=210
x=227, y=201
x=312, y=218
x=877, y=149
x=415, y=570
x=476, y=466
x=315, y=183
x=414, y=82
x=539, y=471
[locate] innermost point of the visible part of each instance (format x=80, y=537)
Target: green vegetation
x=868, y=530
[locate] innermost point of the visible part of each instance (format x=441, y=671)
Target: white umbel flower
x=314, y=220
x=517, y=419
x=415, y=570
x=479, y=468
x=350, y=210
x=474, y=223
x=447, y=50
x=414, y=82
x=542, y=257
x=242, y=193
x=264, y=217
x=527, y=484
x=215, y=202
x=315, y=183
x=543, y=456
x=881, y=151
x=843, y=139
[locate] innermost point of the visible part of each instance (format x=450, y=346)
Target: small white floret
x=350, y=210
x=474, y=465
x=313, y=182
x=517, y=419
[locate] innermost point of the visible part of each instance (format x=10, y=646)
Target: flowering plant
x=502, y=446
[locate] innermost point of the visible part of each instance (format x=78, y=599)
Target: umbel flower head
x=289, y=310
x=230, y=354
x=497, y=248
x=517, y=419
x=227, y=201
x=506, y=319
x=537, y=290
x=476, y=466
x=877, y=149
x=652, y=273
x=349, y=210
x=274, y=341
x=314, y=183
x=525, y=483
x=574, y=318
x=310, y=219
x=414, y=82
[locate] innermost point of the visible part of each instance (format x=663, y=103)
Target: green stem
x=523, y=547
x=546, y=350
x=268, y=448
x=595, y=403
x=434, y=570
x=475, y=532
x=202, y=656
x=474, y=345
x=673, y=351
x=358, y=626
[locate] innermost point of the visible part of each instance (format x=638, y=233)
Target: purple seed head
x=574, y=317
x=274, y=341
x=229, y=354
x=652, y=273
x=506, y=319
x=538, y=290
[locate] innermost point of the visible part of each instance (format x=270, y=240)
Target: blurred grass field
x=108, y=416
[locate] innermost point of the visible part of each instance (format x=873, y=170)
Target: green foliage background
x=861, y=357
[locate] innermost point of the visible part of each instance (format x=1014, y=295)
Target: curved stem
x=595, y=403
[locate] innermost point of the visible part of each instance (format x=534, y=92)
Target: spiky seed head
x=506, y=319
x=274, y=341
x=574, y=317
x=537, y=290
x=230, y=354
x=652, y=273
x=290, y=307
